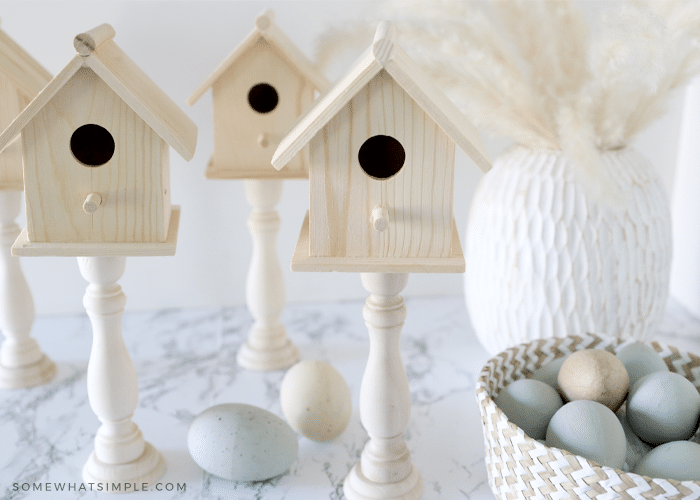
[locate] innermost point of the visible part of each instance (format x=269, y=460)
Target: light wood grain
x=418, y=198
x=11, y=104
x=11, y=133
x=244, y=140
x=24, y=247
x=237, y=126
x=132, y=85
x=86, y=43
x=302, y=261
x=266, y=29
x=143, y=96
x=384, y=54
x=25, y=73
x=131, y=183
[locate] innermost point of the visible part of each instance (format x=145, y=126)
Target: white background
x=178, y=44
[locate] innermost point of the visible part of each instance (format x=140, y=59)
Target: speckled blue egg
x=679, y=460
x=640, y=360
x=663, y=407
x=529, y=404
x=589, y=429
x=549, y=372
x=241, y=442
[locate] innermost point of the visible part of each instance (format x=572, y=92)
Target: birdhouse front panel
x=94, y=170
x=381, y=179
x=256, y=100
x=12, y=101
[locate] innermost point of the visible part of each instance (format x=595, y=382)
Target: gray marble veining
x=185, y=360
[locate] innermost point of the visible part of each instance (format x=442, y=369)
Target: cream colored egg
x=595, y=375
x=316, y=400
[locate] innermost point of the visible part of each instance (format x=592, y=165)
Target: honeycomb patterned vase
x=545, y=259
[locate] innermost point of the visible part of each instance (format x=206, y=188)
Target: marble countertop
x=185, y=360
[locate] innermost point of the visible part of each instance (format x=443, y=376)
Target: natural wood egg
x=596, y=375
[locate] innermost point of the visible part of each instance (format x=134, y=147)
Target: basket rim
x=484, y=399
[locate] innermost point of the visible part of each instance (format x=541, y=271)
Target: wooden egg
x=316, y=400
x=595, y=375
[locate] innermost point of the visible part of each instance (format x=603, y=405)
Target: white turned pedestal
x=22, y=364
x=385, y=470
x=121, y=455
x=267, y=346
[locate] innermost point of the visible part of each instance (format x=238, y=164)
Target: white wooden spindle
x=267, y=346
x=22, y=364
x=385, y=470
x=121, y=455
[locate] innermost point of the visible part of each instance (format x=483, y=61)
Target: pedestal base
x=27, y=376
x=269, y=359
x=137, y=475
x=357, y=487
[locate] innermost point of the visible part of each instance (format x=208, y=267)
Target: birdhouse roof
x=20, y=68
x=266, y=29
x=98, y=52
x=385, y=54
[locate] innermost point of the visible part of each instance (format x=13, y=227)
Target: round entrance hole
x=92, y=145
x=263, y=98
x=381, y=156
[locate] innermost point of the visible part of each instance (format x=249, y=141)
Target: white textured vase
x=544, y=259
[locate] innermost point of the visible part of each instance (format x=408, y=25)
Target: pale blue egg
x=640, y=360
x=679, y=460
x=529, y=404
x=663, y=407
x=549, y=373
x=589, y=429
x=241, y=442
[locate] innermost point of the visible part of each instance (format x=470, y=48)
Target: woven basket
x=520, y=467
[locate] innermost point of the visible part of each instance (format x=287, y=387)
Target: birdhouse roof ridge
x=385, y=54
x=266, y=29
x=97, y=51
x=21, y=68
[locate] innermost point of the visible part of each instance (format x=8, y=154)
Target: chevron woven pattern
x=521, y=468
x=544, y=259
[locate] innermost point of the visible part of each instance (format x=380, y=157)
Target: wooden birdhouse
x=381, y=144
x=258, y=91
x=96, y=157
x=21, y=78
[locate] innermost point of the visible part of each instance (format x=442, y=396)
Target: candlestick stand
x=22, y=364
x=267, y=346
x=121, y=455
x=385, y=470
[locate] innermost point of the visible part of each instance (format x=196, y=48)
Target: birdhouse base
x=24, y=247
x=302, y=261
x=19, y=377
x=215, y=171
x=147, y=469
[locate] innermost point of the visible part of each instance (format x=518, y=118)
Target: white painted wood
x=267, y=346
x=385, y=470
x=121, y=455
x=22, y=364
